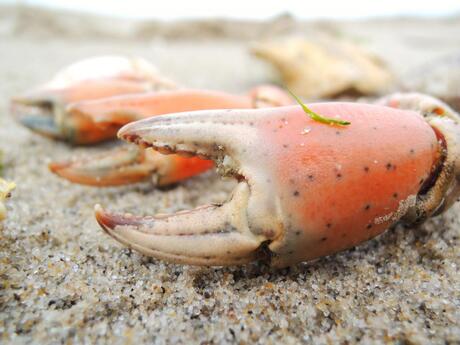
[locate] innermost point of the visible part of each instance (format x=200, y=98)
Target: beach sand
x=62, y=280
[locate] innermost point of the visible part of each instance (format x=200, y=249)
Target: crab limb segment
x=311, y=189
x=120, y=110
x=122, y=165
x=186, y=236
x=130, y=164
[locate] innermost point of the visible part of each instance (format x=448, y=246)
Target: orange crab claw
x=43, y=110
x=306, y=189
x=123, y=166
x=130, y=164
x=119, y=110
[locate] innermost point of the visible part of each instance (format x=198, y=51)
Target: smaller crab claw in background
x=117, y=111
x=305, y=189
x=43, y=110
x=133, y=164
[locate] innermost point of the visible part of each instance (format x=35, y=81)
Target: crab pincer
x=306, y=189
x=133, y=164
x=44, y=109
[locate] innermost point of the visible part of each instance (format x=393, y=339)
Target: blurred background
x=403, y=35
x=62, y=280
x=239, y=9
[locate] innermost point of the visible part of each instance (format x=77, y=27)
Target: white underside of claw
x=208, y=235
x=224, y=234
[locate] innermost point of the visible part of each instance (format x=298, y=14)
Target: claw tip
x=56, y=167
x=110, y=221
x=103, y=218
x=127, y=136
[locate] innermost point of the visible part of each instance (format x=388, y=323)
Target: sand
x=62, y=280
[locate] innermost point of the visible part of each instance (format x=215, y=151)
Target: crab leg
x=122, y=166
x=306, y=189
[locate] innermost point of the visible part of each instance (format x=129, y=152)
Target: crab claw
x=119, y=166
x=208, y=235
x=43, y=110
x=121, y=110
x=306, y=189
x=130, y=164
x=123, y=166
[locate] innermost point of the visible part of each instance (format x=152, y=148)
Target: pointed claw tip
x=126, y=135
x=56, y=167
x=103, y=218
x=109, y=221
x=122, y=132
x=41, y=124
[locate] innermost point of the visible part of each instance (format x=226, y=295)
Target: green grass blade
x=316, y=117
